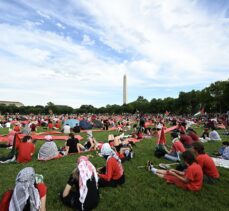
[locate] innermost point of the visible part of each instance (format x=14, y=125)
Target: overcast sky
x=74, y=52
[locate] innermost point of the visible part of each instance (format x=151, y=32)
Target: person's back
x=67, y=129
x=114, y=170
x=208, y=166
x=194, y=174
x=48, y=150
x=194, y=136
x=225, y=154
x=92, y=198
x=25, y=150
x=178, y=147
x=213, y=135
x=76, y=129
x=186, y=140
x=72, y=144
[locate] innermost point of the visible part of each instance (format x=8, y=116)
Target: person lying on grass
x=25, y=150
x=85, y=180
x=112, y=174
x=49, y=150
x=29, y=192
x=72, y=145
x=91, y=143
x=191, y=179
x=211, y=174
x=123, y=147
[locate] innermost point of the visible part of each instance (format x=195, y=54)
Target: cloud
x=60, y=25
x=176, y=45
x=87, y=40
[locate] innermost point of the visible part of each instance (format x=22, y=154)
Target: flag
x=200, y=112
x=162, y=139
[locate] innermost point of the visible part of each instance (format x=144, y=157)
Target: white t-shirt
x=67, y=129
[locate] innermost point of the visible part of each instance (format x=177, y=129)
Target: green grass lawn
x=142, y=190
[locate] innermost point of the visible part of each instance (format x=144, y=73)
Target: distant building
x=18, y=104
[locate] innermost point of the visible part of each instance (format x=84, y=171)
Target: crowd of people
x=81, y=192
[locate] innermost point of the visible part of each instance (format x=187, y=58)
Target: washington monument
x=124, y=90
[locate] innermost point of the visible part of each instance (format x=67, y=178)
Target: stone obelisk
x=124, y=90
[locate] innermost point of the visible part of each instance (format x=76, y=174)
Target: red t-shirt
x=50, y=125
x=178, y=147
x=17, y=128
x=186, y=139
x=208, y=166
x=57, y=125
x=194, y=174
x=42, y=189
x=114, y=170
x=24, y=152
x=194, y=136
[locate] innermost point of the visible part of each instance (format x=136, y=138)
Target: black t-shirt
x=72, y=143
x=76, y=129
x=92, y=198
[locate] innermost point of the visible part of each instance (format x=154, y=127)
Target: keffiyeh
x=25, y=189
x=86, y=172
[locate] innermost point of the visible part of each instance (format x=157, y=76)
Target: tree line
x=214, y=99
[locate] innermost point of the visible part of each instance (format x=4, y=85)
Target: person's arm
x=92, y=144
x=33, y=149
x=181, y=177
x=177, y=172
x=109, y=172
x=66, y=149
x=43, y=203
x=67, y=190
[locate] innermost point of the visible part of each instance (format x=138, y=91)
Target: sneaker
x=149, y=165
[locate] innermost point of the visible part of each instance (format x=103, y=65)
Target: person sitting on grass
x=193, y=134
x=49, y=150
x=211, y=174
x=73, y=145
x=191, y=179
x=29, y=192
x=91, y=143
x=25, y=150
x=214, y=135
x=205, y=134
x=85, y=180
x=177, y=148
x=112, y=174
x=224, y=151
x=186, y=140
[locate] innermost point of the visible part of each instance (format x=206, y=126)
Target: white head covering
x=107, y=151
x=25, y=189
x=86, y=172
x=48, y=138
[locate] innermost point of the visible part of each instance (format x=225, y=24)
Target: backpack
x=159, y=151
